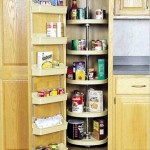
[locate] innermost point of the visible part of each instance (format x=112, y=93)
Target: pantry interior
x=25, y=37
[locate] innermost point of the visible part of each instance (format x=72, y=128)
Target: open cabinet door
x=13, y=75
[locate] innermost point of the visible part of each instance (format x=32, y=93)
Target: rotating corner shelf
x=37, y=8
x=87, y=142
x=88, y=21
x=51, y=71
x=89, y=52
x=43, y=131
x=87, y=114
x=43, y=39
x=87, y=82
x=47, y=100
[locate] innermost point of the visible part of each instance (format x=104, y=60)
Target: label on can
x=104, y=44
x=77, y=103
x=75, y=44
x=74, y=14
x=81, y=13
x=99, y=14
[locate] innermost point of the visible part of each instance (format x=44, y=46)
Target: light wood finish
x=14, y=75
x=87, y=142
x=87, y=82
x=87, y=114
x=89, y=21
x=132, y=7
x=47, y=100
x=37, y=131
x=89, y=52
x=132, y=122
x=133, y=86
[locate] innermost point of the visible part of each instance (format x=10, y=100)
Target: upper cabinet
x=132, y=7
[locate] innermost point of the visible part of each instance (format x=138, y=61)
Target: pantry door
x=13, y=75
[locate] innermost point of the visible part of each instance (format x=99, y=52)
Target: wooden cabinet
x=132, y=7
x=132, y=113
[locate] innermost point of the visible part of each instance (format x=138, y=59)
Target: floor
x=101, y=147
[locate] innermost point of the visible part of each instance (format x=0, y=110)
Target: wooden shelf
x=51, y=71
x=87, y=114
x=47, y=100
x=89, y=52
x=43, y=39
x=37, y=8
x=87, y=82
x=87, y=142
x=38, y=131
x=89, y=21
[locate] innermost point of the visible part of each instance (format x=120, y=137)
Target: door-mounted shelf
x=43, y=39
x=47, y=100
x=51, y=71
x=89, y=52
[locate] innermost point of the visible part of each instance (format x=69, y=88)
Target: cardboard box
x=44, y=60
x=101, y=69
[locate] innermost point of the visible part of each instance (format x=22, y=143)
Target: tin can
x=93, y=44
x=54, y=92
x=83, y=45
x=41, y=93
x=81, y=13
x=98, y=45
x=75, y=44
x=53, y=146
x=48, y=92
x=73, y=14
x=77, y=103
x=75, y=129
x=99, y=14
x=70, y=73
x=51, y=29
x=104, y=44
x=60, y=91
x=40, y=147
x=47, y=148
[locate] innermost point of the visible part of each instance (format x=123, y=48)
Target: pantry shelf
x=87, y=142
x=37, y=8
x=51, y=71
x=89, y=52
x=87, y=82
x=43, y=39
x=38, y=131
x=47, y=100
x=88, y=21
x=87, y=114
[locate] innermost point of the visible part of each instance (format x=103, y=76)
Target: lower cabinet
x=132, y=123
x=131, y=113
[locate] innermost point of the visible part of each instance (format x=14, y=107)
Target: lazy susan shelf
x=37, y=8
x=87, y=114
x=87, y=82
x=51, y=71
x=47, y=100
x=87, y=142
x=89, y=52
x=88, y=21
x=43, y=131
x=43, y=39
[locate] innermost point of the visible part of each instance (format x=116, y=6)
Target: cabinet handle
x=138, y=86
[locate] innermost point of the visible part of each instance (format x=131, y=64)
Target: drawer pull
x=138, y=86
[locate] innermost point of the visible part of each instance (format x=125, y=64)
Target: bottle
x=73, y=10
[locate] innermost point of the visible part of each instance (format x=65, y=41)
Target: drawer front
x=133, y=86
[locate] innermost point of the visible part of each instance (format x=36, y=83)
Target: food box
x=44, y=60
x=79, y=68
x=95, y=98
x=101, y=69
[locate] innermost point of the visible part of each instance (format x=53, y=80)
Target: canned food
x=81, y=13
x=53, y=146
x=60, y=91
x=93, y=44
x=55, y=64
x=98, y=45
x=99, y=14
x=41, y=93
x=51, y=29
x=83, y=45
x=54, y=92
x=40, y=147
x=48, y=92
x=47, y=148
x=75, y=44
x=104, y=44
x=74, y=14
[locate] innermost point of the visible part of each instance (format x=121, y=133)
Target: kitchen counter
x=131, y=65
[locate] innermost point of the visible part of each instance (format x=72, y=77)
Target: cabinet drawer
x=133, y=86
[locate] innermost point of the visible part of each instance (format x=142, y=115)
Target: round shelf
x=87, y=114
x=87, y=82
x=87, y=142
x=89, y=52
x=88, y=21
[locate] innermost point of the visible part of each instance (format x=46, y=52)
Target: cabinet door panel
x=132, y=123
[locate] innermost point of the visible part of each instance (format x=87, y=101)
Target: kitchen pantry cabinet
x=132, y=112
x=132, y=7
x=43, y=79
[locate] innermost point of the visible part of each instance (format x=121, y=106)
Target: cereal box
x=44, y=60
x=95, y=98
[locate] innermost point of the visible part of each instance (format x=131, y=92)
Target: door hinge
x=114, y=100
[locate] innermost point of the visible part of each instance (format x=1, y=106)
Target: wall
x=131, y=37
